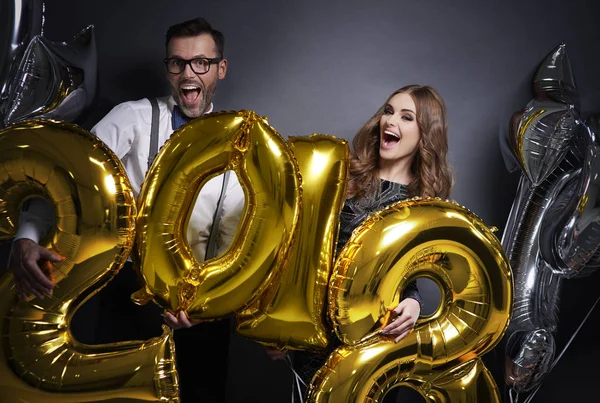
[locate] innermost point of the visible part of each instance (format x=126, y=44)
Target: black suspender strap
x=211, y=245
x=153, y=132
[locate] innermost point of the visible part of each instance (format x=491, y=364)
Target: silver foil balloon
x=20, y=21
x=554, y=78
x=537, y=286
x=547, y=238
x=531, y=359
x=54, y=80
x=571, y=229
x=553, y=233
x=542, y=136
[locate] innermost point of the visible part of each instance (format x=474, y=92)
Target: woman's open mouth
x=389, y=139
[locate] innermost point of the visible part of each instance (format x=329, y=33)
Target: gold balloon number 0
x=279, y=279
x=84, y=182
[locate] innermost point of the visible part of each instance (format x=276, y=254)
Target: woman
x=399, y=153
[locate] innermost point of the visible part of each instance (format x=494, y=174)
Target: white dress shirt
x=126, y=131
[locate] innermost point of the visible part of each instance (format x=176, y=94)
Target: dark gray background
x=326, y=66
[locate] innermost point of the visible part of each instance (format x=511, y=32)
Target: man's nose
x=188, y=72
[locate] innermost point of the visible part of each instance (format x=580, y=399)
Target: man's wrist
x=28, y=230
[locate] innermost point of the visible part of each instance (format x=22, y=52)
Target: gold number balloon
x=40, y=360
x=291, y=313
x=245, y=143
x=440, y=357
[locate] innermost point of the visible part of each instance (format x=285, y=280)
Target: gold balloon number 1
x=278, y=275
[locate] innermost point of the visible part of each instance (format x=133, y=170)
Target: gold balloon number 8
x=276, y=274
x=84, y=182
x=429, y=238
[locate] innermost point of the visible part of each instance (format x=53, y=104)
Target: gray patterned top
x=356, y=211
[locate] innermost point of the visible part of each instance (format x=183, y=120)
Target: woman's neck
x=397, y=171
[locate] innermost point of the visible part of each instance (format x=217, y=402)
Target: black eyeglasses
x=199, y=65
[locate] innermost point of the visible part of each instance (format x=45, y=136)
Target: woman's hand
x=407, y=313
x=180, y=321
x=275, y=353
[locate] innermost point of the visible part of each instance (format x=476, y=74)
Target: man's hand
x=179, y=321
x=407, y=313
x=31, y=265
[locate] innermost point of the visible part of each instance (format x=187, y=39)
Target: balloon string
x=564, y=349
x=43, y=18
x=510, y=395
x=296, y=381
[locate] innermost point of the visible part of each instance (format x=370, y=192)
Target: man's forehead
x=202, y=44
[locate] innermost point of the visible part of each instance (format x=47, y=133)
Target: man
x=194, y=64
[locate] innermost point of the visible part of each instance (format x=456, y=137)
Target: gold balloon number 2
x=84, y=182
x=278, y=276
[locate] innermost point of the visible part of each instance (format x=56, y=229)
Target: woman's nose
x=392, y=121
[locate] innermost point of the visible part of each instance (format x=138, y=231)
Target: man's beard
x=207, y=95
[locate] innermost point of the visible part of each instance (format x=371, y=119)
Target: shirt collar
x=171, y=104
